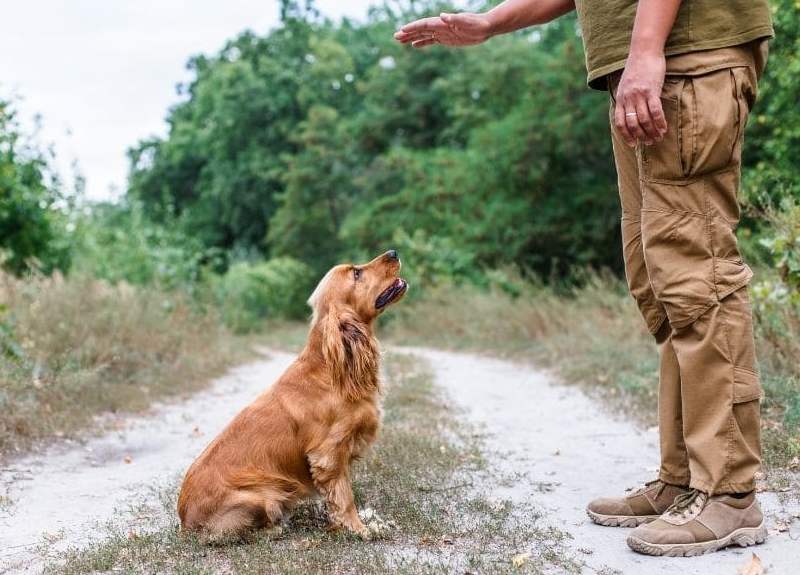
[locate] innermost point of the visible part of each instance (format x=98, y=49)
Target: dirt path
x=564, y=451
x=61, y=495
x=560, y=449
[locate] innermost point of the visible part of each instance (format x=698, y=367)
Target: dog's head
x=345, y=304
x=362, y=290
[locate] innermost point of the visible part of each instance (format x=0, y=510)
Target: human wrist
x=495, y=20
x=647, y=45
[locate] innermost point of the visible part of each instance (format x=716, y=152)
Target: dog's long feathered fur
x=300, y=436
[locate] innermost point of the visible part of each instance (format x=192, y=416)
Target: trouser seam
x=731, y=419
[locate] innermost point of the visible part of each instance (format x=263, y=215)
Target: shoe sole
x=743, y=537
x=620, y=520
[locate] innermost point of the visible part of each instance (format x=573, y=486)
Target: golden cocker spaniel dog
x=299, y=437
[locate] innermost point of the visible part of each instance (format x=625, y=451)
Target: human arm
x=467, y=29
x=638, y=114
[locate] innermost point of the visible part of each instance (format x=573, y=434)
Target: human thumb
x=447, y=18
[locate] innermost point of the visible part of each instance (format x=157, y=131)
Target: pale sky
x=102, y=73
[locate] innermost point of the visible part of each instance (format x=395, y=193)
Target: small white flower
x=387, y=63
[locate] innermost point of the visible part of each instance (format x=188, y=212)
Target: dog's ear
x=351, y=353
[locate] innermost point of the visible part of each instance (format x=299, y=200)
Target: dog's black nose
x=392, y=255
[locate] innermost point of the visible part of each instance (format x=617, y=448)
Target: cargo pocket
x=746, y=385
x=679, y=260
x=722, y=102
x=738, y=320
x=730, y=272
x=669, y=159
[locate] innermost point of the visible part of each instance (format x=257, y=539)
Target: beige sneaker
x=697, y=524
x=641, y=506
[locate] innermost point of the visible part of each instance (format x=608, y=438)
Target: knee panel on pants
x=690, y=247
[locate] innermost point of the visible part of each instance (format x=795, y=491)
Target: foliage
x=116, y=242
x=773, y=136
x=324, y=141
x=73, y=347
x=250, y=293
x=784, y=246
x=32, y=219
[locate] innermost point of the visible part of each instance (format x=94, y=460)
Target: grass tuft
x=71, y=349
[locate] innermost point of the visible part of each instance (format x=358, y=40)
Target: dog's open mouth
x=392, y=293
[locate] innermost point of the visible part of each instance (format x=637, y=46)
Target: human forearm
x=514, y=15
x=638, y=114
x=654, y=20
x=468, y=29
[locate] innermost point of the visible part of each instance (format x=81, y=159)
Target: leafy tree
x=322, y=140
x=318, y=190
x=773, y=135
x=32, y=221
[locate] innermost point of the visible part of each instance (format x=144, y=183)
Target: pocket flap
x=746, y=386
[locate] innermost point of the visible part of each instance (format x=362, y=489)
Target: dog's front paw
x=374, y=525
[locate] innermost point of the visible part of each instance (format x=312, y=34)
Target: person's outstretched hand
x=465, y=29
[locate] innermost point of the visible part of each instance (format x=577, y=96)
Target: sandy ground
x=62, y=495
x=560, y=449
x=564, y=451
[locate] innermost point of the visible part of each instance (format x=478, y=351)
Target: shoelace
x=683, y=503
x=648, y=485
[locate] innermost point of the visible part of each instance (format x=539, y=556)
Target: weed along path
x=63, y=495
x=561, y=450
x=554, y=448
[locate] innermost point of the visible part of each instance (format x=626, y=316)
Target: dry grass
x=72, y=349
x=425, y=477
x=594, y=336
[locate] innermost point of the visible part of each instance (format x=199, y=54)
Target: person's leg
x=649, y=502
x=674, y=456
x=674, y=460
x=689, y=216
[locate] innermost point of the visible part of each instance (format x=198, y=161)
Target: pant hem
x=723, y=488
x=679, y=481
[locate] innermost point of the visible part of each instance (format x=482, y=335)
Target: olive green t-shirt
x=606, y=27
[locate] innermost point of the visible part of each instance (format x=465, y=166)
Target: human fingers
x=621, y=125
x=632, y=119
x=657, y=113
x=645, y=120
x=430, y=24
x=424, y=42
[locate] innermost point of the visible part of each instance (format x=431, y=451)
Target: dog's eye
x=357, y=273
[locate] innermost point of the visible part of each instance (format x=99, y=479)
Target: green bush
x=250, y=293
x=33, y=224
x=784, y=245
x=118, y=243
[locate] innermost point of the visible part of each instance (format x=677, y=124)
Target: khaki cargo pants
x=684, y=269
